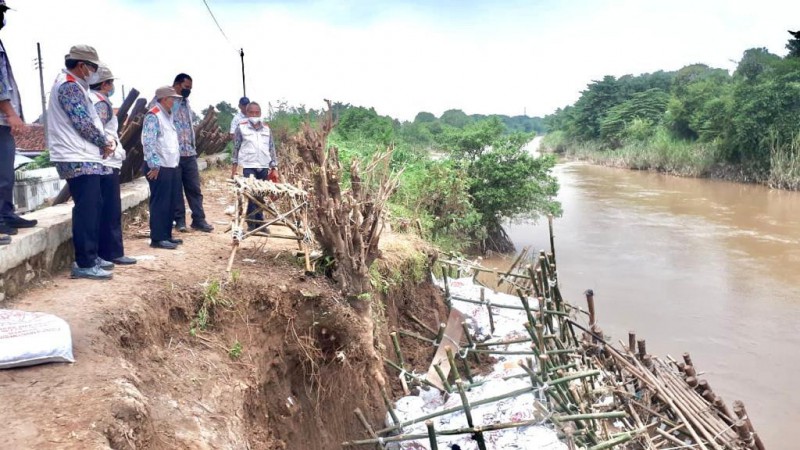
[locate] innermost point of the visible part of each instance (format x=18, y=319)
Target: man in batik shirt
x=189, y=174
x=78, y=147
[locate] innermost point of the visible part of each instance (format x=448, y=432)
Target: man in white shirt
x=254, y=151
x=239, y=116
x=161, y=158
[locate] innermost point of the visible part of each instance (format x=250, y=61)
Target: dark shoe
x=92, y=273
x=103, y=264
x=203, y=226
x=176, y=241
x=16, y=221
x=181, y=226
x=167, y=245
x=5, y=240
x=124, y=261
x=7, y=229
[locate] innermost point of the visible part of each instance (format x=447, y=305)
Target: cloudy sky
x=402, y=57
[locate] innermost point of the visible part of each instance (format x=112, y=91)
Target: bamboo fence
x=595, y=394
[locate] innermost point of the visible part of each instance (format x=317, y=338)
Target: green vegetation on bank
x=694, y=121
x=463, y=176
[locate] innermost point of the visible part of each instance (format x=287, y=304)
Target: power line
x=218, y=25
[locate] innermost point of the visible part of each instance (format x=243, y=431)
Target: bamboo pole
x=444, y=412
x=421, y=323
x=468, y=413
x=431, y=435
x=415, y=336
x=443, y=377
x=552, y=237
x=471, y=344
x=396, y=344
x=741, y=413
x=513, y=265
x=367, y=426
x=452, y=360
x=389, y=407
x=489, y=309
x=440, y=335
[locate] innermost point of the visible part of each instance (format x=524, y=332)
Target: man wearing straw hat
x=110, y=246
x=10, y=123
x=79, y=147
x=161, y=158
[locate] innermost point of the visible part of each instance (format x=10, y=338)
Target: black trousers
x=189, y=178
x=162, y=202
x=7, y=149
x=87, y=193
x=110, y=245
x=258, y=174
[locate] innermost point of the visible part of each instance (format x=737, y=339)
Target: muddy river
x=703, y=266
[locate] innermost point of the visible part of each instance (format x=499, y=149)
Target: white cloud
x=399, y=59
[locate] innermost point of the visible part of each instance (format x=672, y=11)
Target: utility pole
x=41, y=87
x=244, y=87
x=123, y=93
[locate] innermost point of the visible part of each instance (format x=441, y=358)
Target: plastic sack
x=31, y=338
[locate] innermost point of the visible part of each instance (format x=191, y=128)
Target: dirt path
x=122, y=328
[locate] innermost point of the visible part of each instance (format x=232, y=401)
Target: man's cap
x=83, y=53
x=166, y=91
x=104, y=73
x=3, y=5
x=244, y=101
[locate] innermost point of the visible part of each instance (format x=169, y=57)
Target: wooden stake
x=632, y=341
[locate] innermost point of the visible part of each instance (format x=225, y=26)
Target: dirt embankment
x=173, y=353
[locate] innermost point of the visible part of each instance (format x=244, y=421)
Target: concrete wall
x=33, y=187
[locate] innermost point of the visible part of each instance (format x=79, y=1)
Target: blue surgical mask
x=111, y=92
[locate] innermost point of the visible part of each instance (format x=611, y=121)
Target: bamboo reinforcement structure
x=596, y=395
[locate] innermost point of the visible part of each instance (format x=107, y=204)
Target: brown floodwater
x=708, y=267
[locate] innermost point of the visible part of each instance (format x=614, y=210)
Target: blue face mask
x=111, y=92
x=175, y=105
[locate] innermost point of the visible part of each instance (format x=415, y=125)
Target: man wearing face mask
x=240, y=115
x=161, y=158
x=189, y=174
x=110, y=246
x=79, y=148
x=10, y=123
x=254, y=150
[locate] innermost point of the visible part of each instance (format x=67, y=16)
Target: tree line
x=749, y=119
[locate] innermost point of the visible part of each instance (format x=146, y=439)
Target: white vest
x=110, y=127
x=64, y=142
x=254, y=151
x=167, y=144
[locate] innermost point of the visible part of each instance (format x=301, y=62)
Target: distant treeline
x=693, y=119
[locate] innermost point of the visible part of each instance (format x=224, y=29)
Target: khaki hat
x=83, y=53
x=166, y=91
x=104, y=74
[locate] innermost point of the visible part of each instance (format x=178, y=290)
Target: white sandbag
x=30, y=338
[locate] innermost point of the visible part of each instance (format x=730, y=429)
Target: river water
x=691, y=265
